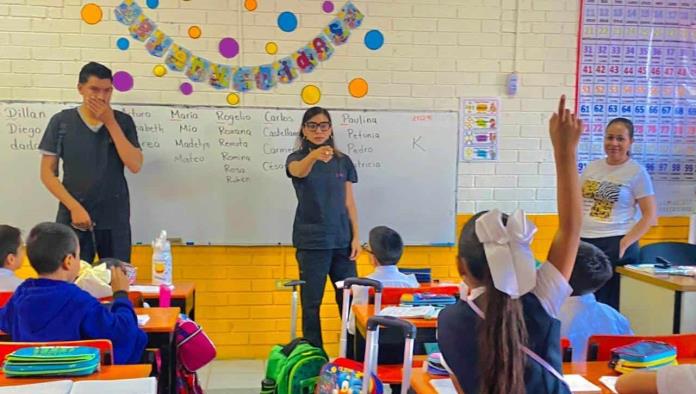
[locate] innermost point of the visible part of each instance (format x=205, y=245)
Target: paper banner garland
x=242, y=79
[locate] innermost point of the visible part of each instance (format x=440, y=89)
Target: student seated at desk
x=674, y=379
x=52, y=308
x=503, y=338
x=11, y=256
x=581, y=315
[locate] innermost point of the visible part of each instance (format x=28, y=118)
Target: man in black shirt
x=95, y=143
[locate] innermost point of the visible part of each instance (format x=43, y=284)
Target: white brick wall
x=435, y=51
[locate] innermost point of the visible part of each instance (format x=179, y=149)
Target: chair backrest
x=4, y=297
x=566, y=350
x=599, y=346
x=677, y=253
x=392, y=295
x=136, y=298
x=104, y=346
x=423, y=275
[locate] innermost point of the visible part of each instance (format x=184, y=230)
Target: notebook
x=123, y=386
x=579, y=385
x=413, y=312
x=610, y=382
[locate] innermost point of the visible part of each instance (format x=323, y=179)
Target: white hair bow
x=510, y=259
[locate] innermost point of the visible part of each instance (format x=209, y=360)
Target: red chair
x=599, y=346
x=104, y=346
x=566, y=350
x=4, y=297
x=392, y=295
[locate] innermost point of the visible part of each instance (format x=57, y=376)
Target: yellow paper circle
x=91, y=14
x=250, y=5
x=233, y=99
x=357, y=87
x=271, y=48
x=159, y=70
x=194, y=31
x=311, y=94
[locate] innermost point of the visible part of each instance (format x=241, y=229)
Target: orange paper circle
x=271, y=48
x=357, y=87
x=250, y=5
x=194, y=32
x=91, y=14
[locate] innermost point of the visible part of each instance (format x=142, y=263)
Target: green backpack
x=293, y=368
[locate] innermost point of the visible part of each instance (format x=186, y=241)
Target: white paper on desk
x=146, y=288
x=610, y=382
x=408, y=311
x=57, y=387
x=579, y=385
x=122, y=386
x=443, y=386
x=143, y=319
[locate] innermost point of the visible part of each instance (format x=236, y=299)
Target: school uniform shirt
x=8, y=280
x=582, y=316
x=458, y=338
x=389, y=276
x=321, y=218
x=609, y=197
x=676, y=379
x=43, y=310
x=92, y=169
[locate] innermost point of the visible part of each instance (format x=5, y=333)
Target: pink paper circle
x=186, y=88
x=229, y=47
x=122, y=81
x=328, y=6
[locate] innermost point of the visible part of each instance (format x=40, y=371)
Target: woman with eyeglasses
x=325, y=231
x=615, y=190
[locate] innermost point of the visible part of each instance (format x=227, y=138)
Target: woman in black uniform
x=325, y=231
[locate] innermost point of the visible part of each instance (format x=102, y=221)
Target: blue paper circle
x=374, y=39
x=287, y=21
x=122, y=43
x=153, y=3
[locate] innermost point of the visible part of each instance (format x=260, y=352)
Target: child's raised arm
x=565, y=129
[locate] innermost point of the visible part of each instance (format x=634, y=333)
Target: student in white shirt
x=11, y=256
x=581, y=315
x=676, y=379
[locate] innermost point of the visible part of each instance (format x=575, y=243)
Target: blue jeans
x=315, y=265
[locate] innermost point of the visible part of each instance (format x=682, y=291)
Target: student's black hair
x=302, y=143
x=48, y=244
x=10, y=240
x=591, y=271
x=94, y=69
x=503, y=333
x=386, y=245
x=626, y=122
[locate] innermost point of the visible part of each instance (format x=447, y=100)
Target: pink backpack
x=193, y=348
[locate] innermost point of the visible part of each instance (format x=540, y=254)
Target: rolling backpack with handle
x=293, y=368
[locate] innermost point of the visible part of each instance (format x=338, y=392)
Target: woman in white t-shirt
x=618, y=204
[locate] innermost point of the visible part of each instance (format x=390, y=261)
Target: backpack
x=294, y=368
x=345, y=376
x=193, y=351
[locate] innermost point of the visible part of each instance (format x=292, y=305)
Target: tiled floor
x=234, y=377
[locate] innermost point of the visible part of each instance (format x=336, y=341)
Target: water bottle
x=161, y=260
x=165, y=296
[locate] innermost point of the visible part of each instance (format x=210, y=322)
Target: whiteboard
x=216, y=175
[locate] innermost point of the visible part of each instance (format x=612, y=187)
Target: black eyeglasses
x=313, y=126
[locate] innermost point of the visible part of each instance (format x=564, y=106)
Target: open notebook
x=123, y=386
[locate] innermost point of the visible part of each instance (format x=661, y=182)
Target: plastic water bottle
x=165, y=296
x=161, y=260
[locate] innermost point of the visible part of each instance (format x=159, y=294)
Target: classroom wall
x=435, y=52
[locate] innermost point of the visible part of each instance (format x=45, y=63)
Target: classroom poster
x=637, y=59
x=479, y=122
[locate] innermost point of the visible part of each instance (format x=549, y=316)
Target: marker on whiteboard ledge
x=448, y=244
x=190, y=243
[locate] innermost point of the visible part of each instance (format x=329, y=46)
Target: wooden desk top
x=107, y=372
x=364, y=312
x=181, y=290
x=161, y=319
x=672, y=282
x=591, y=370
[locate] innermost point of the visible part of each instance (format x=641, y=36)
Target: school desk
x=107, y=372
x=160, y=331
x=592, y=371
x=658, y=304
x=183, y=296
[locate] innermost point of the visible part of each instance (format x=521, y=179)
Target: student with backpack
x=504, y=338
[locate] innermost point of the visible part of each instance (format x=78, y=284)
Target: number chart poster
x=637, y=59
x=479, y=124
